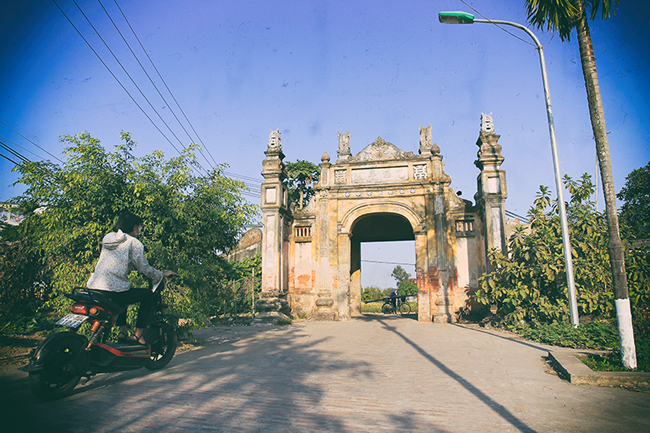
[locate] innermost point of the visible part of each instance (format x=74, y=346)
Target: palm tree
x=563, y=16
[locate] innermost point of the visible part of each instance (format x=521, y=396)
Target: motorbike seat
x=85, y=294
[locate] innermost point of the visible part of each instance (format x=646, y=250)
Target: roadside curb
x=578, y=373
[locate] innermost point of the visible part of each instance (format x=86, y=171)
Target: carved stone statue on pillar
x=344, y=146
x=427, y=147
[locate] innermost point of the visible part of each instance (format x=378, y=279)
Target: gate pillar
x=276, y=221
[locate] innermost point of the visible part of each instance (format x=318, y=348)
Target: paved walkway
x=375, y=374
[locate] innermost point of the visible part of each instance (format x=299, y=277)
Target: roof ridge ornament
x=427, y=147
x=344, y=146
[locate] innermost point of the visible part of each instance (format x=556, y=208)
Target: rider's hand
x=168, y=273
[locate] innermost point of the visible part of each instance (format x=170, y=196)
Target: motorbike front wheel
x=163, y=347
x=60, y=374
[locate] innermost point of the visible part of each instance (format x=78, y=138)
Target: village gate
x=311, y=256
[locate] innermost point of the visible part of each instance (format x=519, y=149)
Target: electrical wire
x=18, y=145
x=519, y=217
x=132, y=80
x=53, y=156
x=15, y=153
x=152, y=82
x=389, y=263
x=9, y=159
x=165, y=83
x=118, y=81
x=493, y=23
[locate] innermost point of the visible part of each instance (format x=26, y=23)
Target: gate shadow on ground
x=375, y=317
x=514, y=340
x=266, y=380
x=489, y=402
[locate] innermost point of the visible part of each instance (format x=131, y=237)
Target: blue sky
x=312, y=68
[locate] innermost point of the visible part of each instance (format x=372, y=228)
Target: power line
x=151, y=81
x=519, y=217
x=245, y=178
x=165, y=83
x=118, y=81
x=389, y=263
x=13, y=152
x=505, y=30
x=9, y=159
x=18, y=145
x=131, y=78
x=31, y=141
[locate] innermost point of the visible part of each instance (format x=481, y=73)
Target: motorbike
x=61, y=360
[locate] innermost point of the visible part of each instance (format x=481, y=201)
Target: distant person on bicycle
x=393, y=299
x=121, y=253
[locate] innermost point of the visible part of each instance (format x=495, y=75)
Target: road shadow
x=265, y=379
x=499, y=409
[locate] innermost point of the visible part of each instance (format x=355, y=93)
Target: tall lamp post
x=466, y=18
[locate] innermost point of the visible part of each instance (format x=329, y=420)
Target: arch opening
x=378, y=228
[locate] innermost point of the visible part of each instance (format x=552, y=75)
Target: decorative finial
x=325, y=157
x=487, y=126
x=275, y=142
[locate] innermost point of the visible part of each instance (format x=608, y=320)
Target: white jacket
x=121, y=253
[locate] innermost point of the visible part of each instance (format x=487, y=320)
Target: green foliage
x=22, y=279
x=593, y=335
x=635, y=212
x=188, y=220
x=611, y=361
x=374, y=307
x=561, y=16
x=372, y=292
x=404, y=285
x=301, y=176
x=407, y=287
x=400, y=274
x=529, y=283
x=637, y=265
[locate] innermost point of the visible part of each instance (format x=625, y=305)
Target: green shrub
x=593, y=335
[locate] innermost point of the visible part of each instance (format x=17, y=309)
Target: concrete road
x=369, y=374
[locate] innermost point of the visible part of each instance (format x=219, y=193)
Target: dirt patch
x=15, y=349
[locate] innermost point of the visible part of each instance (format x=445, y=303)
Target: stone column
x=275, y=214
x=421, y=269
x=355, y=277
x=492, y=193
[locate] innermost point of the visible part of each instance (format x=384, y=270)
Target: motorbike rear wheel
x=163, y=347
x=60, y=374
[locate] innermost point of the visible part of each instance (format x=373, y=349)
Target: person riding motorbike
x=122, y=252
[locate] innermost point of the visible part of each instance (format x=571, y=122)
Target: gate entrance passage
x=311, y=257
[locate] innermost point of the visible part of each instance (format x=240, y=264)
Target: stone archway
x=311, y=255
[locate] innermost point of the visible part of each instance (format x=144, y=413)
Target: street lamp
x=466, y=18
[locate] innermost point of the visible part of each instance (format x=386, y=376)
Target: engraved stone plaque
x=380, y=175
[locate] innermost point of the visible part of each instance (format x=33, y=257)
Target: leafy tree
x=301, y=176
x=400, y=274
x=407, y=287
x=22, y=282
x=635, y=212
x=373, y=292
x=529, y=283
x=404, y=285
x=562, y=16
x=188, y=220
